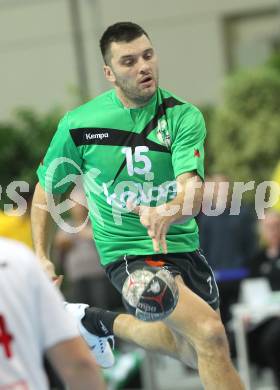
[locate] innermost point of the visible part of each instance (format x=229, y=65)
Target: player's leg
x=156, y=337
x=192, y=329
x=194, y=319
x=152, y=336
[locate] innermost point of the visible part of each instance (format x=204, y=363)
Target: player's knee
x=150, y=294
x=212, y=338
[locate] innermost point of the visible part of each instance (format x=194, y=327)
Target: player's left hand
x=156, y=223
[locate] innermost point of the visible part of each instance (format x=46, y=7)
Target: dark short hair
x=119, y=32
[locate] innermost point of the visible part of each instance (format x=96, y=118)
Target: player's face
x=133, y=70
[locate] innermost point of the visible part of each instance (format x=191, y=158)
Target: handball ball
x=150, y=294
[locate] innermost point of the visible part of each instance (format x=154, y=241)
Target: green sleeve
x=188, y=145
x=62, y=161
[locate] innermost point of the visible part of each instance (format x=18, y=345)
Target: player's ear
x=109, y=73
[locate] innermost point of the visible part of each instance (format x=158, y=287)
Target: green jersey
x=126, y=153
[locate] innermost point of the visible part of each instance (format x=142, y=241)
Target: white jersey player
x=33, y=322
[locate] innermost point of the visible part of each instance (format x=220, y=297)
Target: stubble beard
x=134, y=94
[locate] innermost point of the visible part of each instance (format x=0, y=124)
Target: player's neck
x=128, y=103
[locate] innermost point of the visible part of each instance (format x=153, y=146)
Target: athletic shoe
x=100, y=346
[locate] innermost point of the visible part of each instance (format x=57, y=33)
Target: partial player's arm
x=61, y=162
x=59, y=336
x=184, y=206
x=187, y=202
x=75, y=365
x=187, y=153
x=43, y=228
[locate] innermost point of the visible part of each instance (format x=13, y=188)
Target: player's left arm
x=187, y=153
x=184, y=206
x=187, y=203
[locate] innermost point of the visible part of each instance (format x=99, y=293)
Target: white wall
x=38, y=66
x=36, y=55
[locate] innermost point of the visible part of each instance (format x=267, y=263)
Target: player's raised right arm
x=43, y=228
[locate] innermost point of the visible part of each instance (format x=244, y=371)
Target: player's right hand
x=156, y=223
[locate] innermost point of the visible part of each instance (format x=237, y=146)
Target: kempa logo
x=90, y=136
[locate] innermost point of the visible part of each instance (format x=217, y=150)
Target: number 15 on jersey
x=138, y=157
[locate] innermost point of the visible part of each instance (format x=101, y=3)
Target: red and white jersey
x=32, y=318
